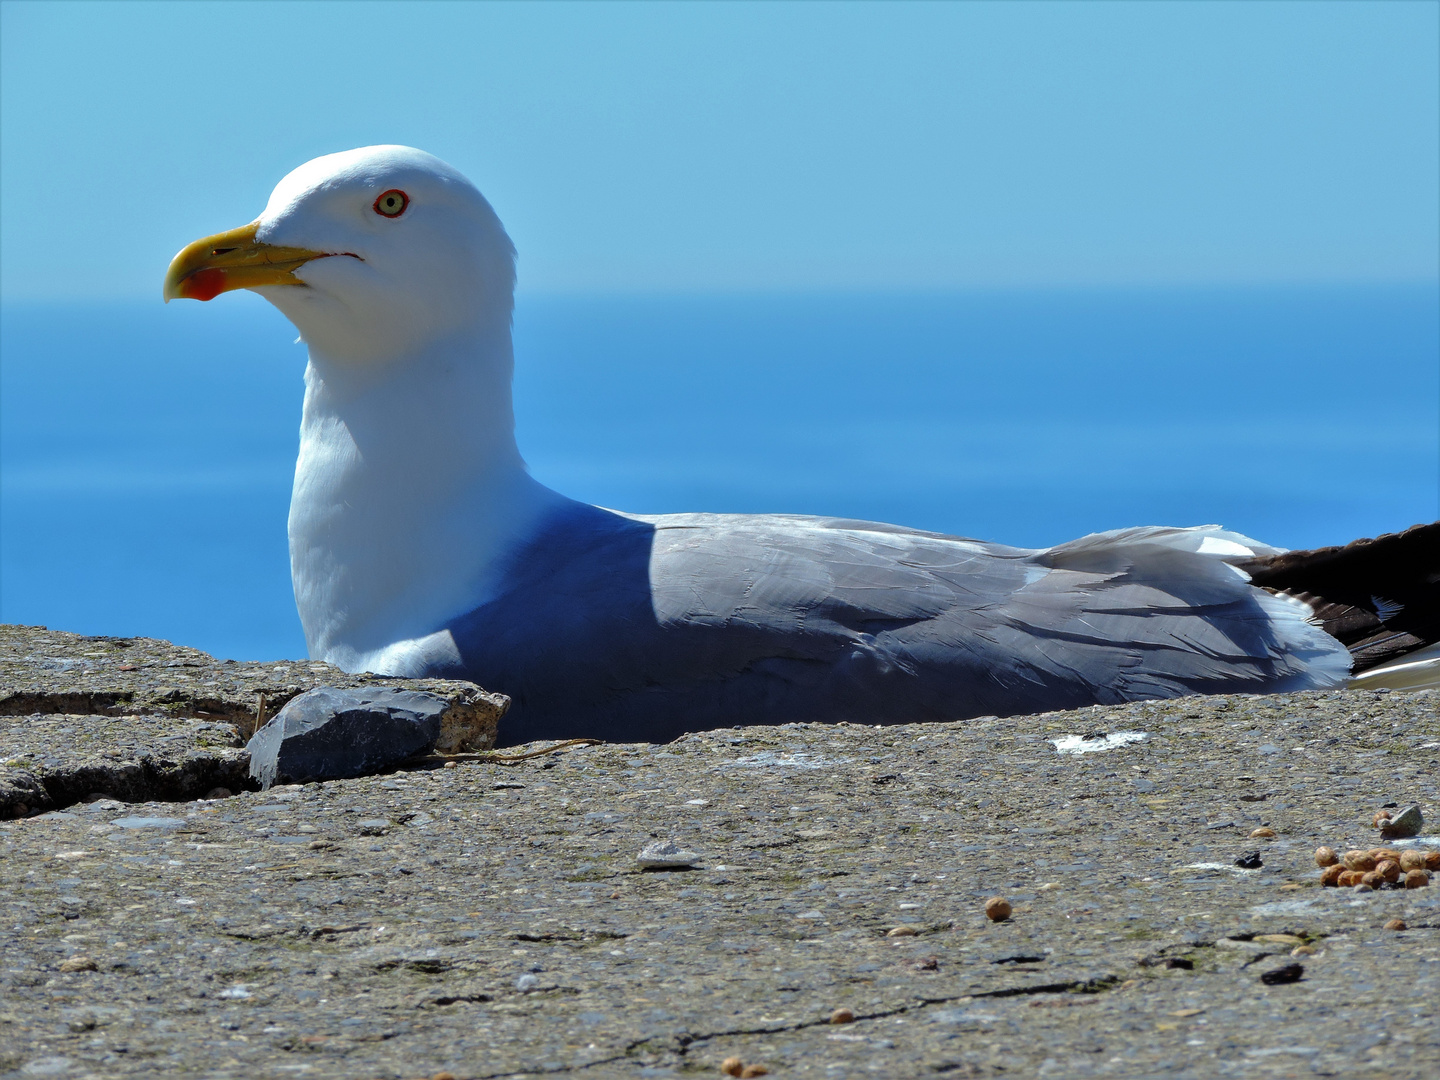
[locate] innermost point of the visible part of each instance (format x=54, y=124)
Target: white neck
x=409, y=492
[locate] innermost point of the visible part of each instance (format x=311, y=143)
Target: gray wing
x=630, y=628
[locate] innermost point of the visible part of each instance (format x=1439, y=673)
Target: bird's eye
x=392, y=203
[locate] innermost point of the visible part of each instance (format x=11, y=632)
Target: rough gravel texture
x=489, y=920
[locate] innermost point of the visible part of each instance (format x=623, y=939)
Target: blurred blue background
x=1011, y=271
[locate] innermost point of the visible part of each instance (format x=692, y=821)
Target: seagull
x=421, y=546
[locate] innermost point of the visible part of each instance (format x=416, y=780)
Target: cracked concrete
x=489, y=920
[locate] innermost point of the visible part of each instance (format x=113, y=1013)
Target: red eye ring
x=391, y=203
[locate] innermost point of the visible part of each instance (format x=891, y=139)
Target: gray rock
x=330, y=733
x=665, y=855
x=1406, y=823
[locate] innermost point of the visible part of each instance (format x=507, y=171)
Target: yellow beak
x=233, y=260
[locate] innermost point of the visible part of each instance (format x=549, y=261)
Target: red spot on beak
x=203, y=285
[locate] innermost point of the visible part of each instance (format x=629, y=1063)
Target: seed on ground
x=732, y=1066
x=997, y=909
x=1395, y=924
x=1325, y=856
x=1261, y=833
x=754, y=1070
x=1417, y=879
x=1359, y=860
x=842, y=1016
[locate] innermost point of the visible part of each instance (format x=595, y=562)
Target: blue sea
x=146, y=450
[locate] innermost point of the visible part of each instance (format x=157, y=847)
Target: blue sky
x=693, y=147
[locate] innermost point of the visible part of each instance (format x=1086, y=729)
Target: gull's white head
x=374, y=254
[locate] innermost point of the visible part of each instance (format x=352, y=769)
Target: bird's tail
x=1379, y=597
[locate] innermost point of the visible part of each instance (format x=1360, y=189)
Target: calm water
x=147, y=450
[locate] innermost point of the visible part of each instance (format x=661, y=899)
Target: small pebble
x=1396, y=924
x=1417, y=879
x=1406, y=823
x=450, y=765
x=78, y=963
x=527, y=982
x=665, y=855
x=219, y=793
x=1249, y=861
x=1261, y=833
x=901, y=931
x=842, y=1016
x=997, y=909
x=1364, y=886
x=1288, y=974
x=1325, y=856
x=732, y=1066
x=1302, y=950
x=754, y=1070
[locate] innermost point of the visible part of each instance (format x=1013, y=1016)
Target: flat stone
x=333, y=733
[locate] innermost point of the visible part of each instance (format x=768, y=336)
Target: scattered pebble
x=1288, y=974
x=901, y=931
x=217, y=793
x=1396, y=924
x=1249, y=861
x=450, y=765
x=1325, y=856
x=1303, y=950
x=997, y=909
x=842, y=1016
x=665, y=855
x=78, y=963
x=527, y=982
x=1406, y=823
x=1261, y=833
x=732, y=1066
x=372, y=826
